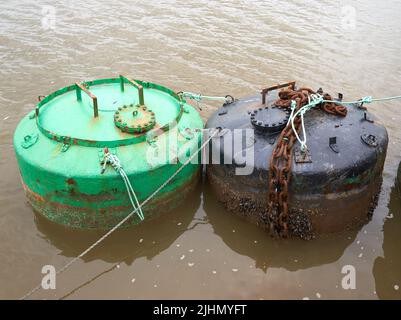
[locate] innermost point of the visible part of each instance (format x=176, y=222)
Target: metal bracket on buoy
x=29, y=140
x=333, y=144
x=223, y=111
x=369, y=139
x=81, y=87
x=365, y=117
x=265, y=91
x=65, y=147
x=302, y=156
x=101, y=153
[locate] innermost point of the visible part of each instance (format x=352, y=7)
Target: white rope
x=293, y=106
x=313, y=100
x=132, y=193
x=198, y=97
x=127, y=217
x=116, y=164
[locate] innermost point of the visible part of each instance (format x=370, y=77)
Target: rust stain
x=71, y=181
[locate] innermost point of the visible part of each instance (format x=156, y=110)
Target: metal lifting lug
x=65, y=147
x=229, y=100
x=369, y=139
x=223, y=111
x=333, y=144
x=361, y=106
x=302, y=156
x=365, y=117
x=29, y=140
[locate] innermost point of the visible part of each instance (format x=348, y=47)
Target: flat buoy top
x=108, y=112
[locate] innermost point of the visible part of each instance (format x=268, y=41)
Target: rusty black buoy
x=333, y=185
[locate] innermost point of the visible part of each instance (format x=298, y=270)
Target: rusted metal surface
x=328, y=193
x=81, y=217
x=134, y=118
x=309, y=216
x=265, y=91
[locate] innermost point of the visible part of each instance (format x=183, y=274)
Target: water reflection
x=145, y=240
x=387, y=269
x=247, y=239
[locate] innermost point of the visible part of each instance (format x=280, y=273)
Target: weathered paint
x=334, y=192
x=65, y=184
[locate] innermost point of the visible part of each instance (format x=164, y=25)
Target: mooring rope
x=314, y=100
x=199, y=97
x=317, y=99
x=367, y=99
x=127, y=217
x=113, y=160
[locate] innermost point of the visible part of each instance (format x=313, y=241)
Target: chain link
x=281, y=159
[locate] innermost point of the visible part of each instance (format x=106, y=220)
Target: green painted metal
x=93, y=133
x=61, y=169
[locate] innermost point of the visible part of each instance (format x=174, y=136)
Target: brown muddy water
x=216, y=48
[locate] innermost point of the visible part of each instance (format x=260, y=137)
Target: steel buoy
x=91, y=151
x=328, y=186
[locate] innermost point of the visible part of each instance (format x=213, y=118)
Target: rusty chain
x=281, y=159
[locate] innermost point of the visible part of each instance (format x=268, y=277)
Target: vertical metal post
x=279, y=86
x=136, y=85
x=79, y=88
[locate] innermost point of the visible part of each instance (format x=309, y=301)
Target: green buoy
x=62, y=148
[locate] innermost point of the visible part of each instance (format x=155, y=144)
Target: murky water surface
x=218, y=48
